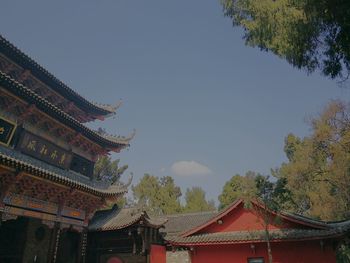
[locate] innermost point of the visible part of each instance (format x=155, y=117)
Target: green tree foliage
x=343, y=253
x=158, y=195
x=309, y=34
x=238, y=187
x=266, y=195
x=317, y=173
x=256, y=187
x=108, y=170
x=196, y=202
x=146, y=192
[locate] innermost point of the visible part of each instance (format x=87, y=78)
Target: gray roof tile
x=114, y=219
x=15, y=159
x=258, y=236
x=180, y=223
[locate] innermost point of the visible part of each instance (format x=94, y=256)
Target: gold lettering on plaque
x=31, y=145
x=43, y=150
x=54, y=155
x=63, y=158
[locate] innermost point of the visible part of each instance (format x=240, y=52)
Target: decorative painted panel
x=82, y=165
x=74, y=213
x=32, y=206
x=43, y=216
x=30, y=203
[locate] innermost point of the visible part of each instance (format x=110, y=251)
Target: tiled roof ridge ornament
x=117, y=185
x=138, y=207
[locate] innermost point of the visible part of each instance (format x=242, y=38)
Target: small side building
x=126, y=235
x=238, y=234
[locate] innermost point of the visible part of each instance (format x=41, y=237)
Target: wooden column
x=151, y=236
x=54, y=243
x=133, y=244
x=142, y=234
x=146, y=239
x=82, y=246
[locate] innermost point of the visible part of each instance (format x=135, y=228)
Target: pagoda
x=47, y=154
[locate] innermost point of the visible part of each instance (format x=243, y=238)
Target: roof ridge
x=191, y=213
x=303, y=217
x=235, y=237
x=122, y=218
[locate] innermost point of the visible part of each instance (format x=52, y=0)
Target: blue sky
x=204, y=105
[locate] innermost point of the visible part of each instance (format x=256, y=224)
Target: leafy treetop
x=309, y=34
x=317, y=173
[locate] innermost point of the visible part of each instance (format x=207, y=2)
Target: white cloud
x=188, y=168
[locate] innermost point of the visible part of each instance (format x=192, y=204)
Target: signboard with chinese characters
x=7, y=129
x=46, y=151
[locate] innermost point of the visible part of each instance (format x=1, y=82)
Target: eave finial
x=132, y=135
x=117, y=105
x=129, y=180
x=125, y=185
x=112, y=108
x=123, y=140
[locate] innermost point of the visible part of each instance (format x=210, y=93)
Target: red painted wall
x=241, y=219
x=158, y=254
x=287, y=252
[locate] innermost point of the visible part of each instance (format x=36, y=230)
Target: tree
x=260, y=194
x=196, y=202
x=169, y=196
x=107, y=170
x=238, y=187
x=158, y=195
x=146, y=191
x=317, y=173
x=268, y=195
x=309, y=34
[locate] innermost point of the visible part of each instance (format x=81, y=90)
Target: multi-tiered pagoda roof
x=109, y=142
x=17, y=63
x=47, y=153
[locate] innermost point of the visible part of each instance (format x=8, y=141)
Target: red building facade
x=238, y=234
